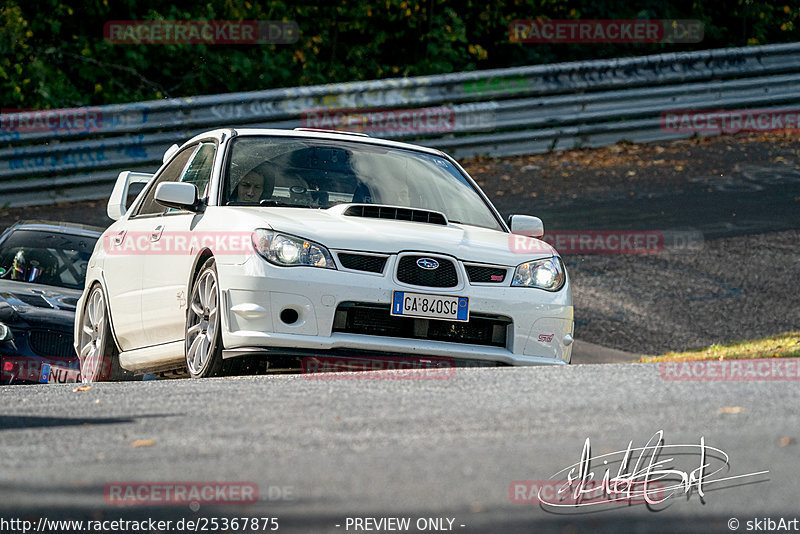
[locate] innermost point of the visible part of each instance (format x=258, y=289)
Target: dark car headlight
x=288, y=250
x=5, y=333
x=547, y=274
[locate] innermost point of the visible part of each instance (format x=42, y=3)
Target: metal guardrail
x=495, y=112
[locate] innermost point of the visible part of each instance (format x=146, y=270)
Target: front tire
x=203, y=347
x=98, y=356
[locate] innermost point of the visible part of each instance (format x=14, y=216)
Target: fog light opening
x=289, y=316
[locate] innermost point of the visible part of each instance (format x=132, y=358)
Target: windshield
x=41, y=257
x=318, y=173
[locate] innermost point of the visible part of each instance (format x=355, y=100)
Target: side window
x=171, y=173
x=199, y=170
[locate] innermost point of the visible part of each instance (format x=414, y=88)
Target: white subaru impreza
x=270, y=244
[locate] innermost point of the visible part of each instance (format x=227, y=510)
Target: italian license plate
x=430, y=306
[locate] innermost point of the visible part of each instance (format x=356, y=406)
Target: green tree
x=53, y=54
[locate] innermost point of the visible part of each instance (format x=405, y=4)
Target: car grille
x=49, y=343
x=375, y=320
x=482, y=274
x=398, y=214
x=362, y=262
x=409, y=272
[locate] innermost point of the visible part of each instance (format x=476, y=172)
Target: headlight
x=5, y=333
x=287, y=250
x=547, y=274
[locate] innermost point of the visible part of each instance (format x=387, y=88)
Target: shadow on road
x=15, y=422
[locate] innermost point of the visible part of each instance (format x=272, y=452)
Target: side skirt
x=153, y=359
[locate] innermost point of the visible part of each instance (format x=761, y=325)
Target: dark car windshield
x=319, y=173
x=48, y=258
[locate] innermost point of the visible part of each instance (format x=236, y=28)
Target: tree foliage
x=53, y=53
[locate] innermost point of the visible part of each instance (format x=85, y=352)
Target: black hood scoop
x=374, y=211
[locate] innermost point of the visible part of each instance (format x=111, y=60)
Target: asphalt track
x=379, y=446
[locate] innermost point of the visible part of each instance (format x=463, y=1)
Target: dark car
x=42, y=273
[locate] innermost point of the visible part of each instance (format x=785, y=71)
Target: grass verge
x=786, y=345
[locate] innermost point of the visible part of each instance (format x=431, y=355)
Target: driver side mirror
x=526, y=225
x=178, y=195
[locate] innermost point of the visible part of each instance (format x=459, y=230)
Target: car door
x=124, y=264
x=166, y=275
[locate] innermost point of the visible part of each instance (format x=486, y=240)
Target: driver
x=256, y=185
x=250, y=188
x=34, y=266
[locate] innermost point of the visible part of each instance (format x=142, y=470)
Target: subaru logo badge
x=428, y=264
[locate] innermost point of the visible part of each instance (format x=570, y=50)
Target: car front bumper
x=255, y=294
